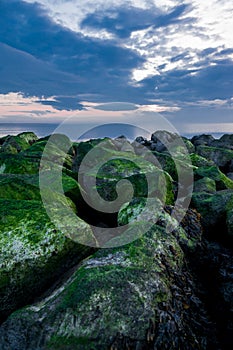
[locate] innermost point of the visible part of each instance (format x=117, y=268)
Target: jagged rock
x=81, y=149
x=136, y=297
x=213, y=172
x=202, y=140
x=28, y=161
x=16, y=144
x=188, y=144
x=223, y=158
x=214, y=208
x=162, y=140
x=199, y=161
x=205, y=185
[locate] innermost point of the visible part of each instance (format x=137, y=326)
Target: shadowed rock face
x=162, y=291
x=138, y=296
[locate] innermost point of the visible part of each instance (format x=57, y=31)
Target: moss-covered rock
x=220, y=156
x=136, y=297
x=214, y=209
x=145, y=180
x=81, y=149
x=199, y=161
x=16, y=144
x=213, y=172
x=205, y=185
x=188, y=144
x=33, y=252
x=151, y=210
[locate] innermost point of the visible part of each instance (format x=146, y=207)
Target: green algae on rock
x=214, y=209
x=137, y=296
x=213, y=172
x=33, y=252
x=16, y=144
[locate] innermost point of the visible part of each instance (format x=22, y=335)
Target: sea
x=45, y=129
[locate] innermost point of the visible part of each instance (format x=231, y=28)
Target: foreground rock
x=137, y=297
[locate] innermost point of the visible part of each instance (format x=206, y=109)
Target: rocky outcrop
x=170, y=288
x=140, y=296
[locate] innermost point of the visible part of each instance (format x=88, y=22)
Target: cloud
x=163, y=55
x=55, y=60
x=122, y=21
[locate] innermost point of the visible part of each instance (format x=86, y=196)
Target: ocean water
x=39, y=129
x=42, y=129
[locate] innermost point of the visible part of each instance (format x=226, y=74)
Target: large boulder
x=202, y=140
x=212, y=172
x=214, y=210
x=16, y=144
x=139, y=296
x=205, y=185
x=34, y=253
x=223, y=158
x=118, y=175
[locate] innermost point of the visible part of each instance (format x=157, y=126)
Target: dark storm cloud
x=40, y=57
x=46, y=58
x=123, y=21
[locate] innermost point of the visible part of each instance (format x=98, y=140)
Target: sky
x=84, y=57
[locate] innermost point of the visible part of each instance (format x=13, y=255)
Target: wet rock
x=33, y=251
x=139, y=296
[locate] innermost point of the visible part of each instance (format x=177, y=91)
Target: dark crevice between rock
x=212, y=269
x=95, y=217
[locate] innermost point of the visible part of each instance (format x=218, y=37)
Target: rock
x=213, y=172
x=205, y=185
x=230, y=175
x=202, y=140
x=199, y=161
x=81, y=149
x=188, y=234
x=26, y=187
x=33, y=252
x=190, y=147
x=214, y=208
x=227, y=139
x=18, y=164
x=139, y=296
x=16, y=144
x=162, y=140
x=20, y=187
x=223, y=158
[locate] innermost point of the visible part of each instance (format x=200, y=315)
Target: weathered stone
x=202, y=140
x=205, y=185
x=221, y=157
x=214, y=209
x=16, y=144
x=33, y=252
x=138, y=297
x=213, y=172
